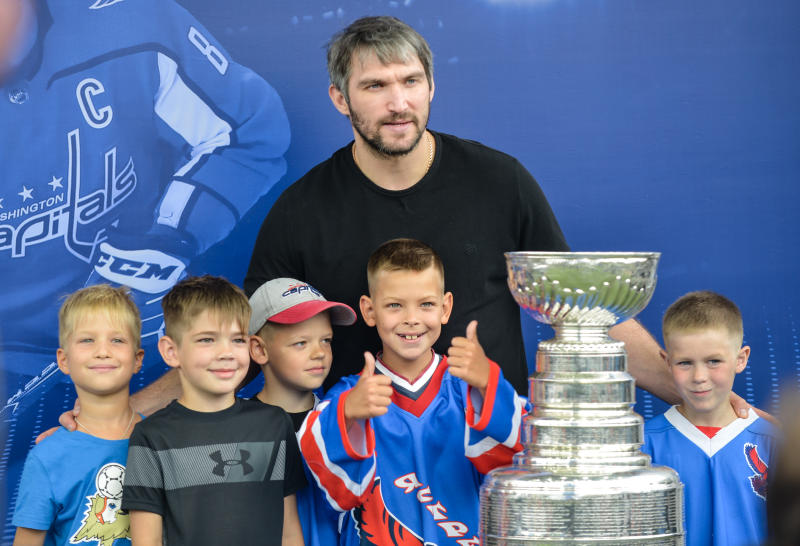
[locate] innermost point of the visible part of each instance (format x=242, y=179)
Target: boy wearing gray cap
x=290, y=338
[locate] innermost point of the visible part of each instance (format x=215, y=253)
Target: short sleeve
x=144, y=477
x=274, y=252
x=539, y=229
x=36, y=506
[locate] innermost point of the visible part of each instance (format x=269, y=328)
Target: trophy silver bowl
x=581, y=477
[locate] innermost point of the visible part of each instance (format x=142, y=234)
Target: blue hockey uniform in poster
x=131, y=143
x=724, y=477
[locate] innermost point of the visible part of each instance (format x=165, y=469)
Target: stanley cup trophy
x=581, y=477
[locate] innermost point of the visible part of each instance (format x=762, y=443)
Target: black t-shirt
x=215, y=478
x=474, y=204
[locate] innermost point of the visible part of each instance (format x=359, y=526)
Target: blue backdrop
x=655, y=125
x=671, y=126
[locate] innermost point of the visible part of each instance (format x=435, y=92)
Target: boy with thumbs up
x=404, y=445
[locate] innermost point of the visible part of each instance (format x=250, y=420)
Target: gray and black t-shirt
x=215, y=478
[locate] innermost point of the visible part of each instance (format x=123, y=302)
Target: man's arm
x=292, y=532
x=29, y=537
x=146, y=528
x=147, y=401
x=645, y=362
x=157, y=394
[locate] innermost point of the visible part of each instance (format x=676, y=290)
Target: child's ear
x=169, y=351
x=61, y=358
x=741, y=358
x=258, y=350
x=664, y=356
x=367, y=310
x=447, y=307
x=139, y=358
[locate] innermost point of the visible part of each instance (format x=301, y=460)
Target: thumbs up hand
x=467, y=359
x=372, y=394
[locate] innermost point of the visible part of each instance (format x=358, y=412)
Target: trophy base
x=524, y=506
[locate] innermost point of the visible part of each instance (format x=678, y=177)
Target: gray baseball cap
x=289, y=301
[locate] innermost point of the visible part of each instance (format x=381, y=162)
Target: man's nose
x=398, y=98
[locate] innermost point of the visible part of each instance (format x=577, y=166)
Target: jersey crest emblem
x=758, y=481
x=377, y=526
x=103, y=521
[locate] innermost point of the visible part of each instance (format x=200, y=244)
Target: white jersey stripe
x=357, y=489
x=190, y=117
x=709, y=445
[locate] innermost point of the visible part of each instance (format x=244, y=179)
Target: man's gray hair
x=388, y=37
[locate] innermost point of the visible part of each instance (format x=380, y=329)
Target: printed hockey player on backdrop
x=132, y=143
x=125, y=142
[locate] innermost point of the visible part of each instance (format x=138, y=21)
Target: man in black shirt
x=399, y=179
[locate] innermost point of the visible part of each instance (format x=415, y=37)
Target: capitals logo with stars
x=103, y=521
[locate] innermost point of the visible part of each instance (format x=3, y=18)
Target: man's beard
x=375, y=141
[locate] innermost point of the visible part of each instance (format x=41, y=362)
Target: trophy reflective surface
x=581, y=477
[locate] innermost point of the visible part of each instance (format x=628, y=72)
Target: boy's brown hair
x=403, y=255
x=193, y=295
x=116, y=302
x=703, y=310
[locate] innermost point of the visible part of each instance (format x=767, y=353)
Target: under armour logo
x=219, y=470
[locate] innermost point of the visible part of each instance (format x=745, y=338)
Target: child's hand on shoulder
x=372, y=394
x=467, y=360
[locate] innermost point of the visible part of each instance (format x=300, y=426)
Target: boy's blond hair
x=403, y=255
x=116, y=302
x=703, y=310
x=193, y=295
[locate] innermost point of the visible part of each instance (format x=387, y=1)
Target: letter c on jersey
x=86, y=90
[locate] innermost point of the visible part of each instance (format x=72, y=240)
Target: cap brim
x=341, y=314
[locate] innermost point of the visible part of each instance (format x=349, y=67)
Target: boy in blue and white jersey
x=723, y=461
x=71, y=488
x=404, y=445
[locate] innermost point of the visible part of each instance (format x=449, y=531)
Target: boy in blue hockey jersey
x=722, y=460
x=71, y=487
x=290, y=338
x=403, y=446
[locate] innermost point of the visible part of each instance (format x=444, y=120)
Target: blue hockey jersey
x=412, y=476
x=724, y=477
x=126, y=123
